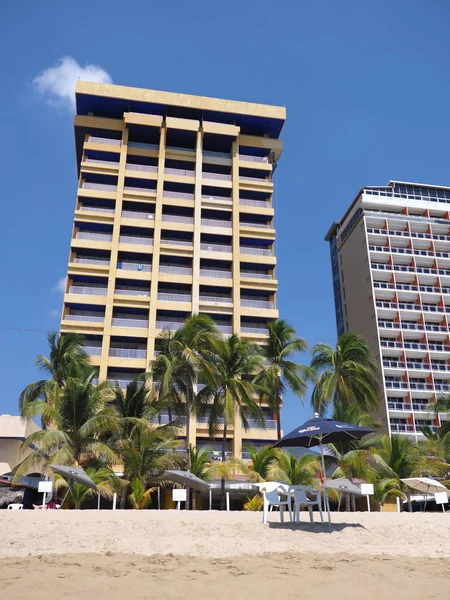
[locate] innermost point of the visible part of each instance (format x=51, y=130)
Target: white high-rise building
x=390, y=258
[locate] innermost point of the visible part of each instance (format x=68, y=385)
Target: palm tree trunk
x=123, y=498
x=347, y=501
x=408, y=496
x=188, y=432
x=222, y=481
x=278, y=412
x=194, y=500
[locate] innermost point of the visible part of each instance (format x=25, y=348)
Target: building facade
x=13, y=431
x=173, y=216
x=390, y=257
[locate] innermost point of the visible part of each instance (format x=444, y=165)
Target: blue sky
x=366, y=86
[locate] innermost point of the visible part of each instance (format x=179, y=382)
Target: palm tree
x=66, y=354
x=104, y=479
x=80, y=416
x=177, y=368
x=258, y=467
x=348, y=374
x=229, y=372
x=294, y=470
x=203, y=468
x=135, y=407
x=385, y=490
x=145, y=455
x=281, y=371
x=397, y=457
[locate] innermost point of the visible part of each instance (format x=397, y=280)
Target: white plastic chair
x=15, y=506
x=272, y=492
x=299, y=494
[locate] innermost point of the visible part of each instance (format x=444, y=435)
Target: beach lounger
x=15, y=506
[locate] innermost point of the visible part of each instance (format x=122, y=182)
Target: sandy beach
x=174, y=554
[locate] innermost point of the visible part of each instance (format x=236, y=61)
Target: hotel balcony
x=216, y=273
x=168, y=324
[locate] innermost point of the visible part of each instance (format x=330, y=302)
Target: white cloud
x=60, y=285
x=58, y=83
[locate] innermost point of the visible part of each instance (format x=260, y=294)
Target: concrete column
x=113, y=259
x=197, y=222
x=156, y=245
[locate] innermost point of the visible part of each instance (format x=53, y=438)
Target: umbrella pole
x=327, y=503
x=67, y=493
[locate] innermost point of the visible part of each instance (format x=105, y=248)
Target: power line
x=31, y=330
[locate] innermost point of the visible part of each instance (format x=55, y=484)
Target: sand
x=174, y=554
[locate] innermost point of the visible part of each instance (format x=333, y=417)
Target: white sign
x=441, y=498
x=45, y=487
x=179, y=495
x=367, y=489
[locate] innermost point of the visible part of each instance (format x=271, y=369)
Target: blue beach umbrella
x=319, y=431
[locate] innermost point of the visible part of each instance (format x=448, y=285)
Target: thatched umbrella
x=10, y=495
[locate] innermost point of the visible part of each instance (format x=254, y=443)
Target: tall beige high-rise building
x=173, y=217
x=390, y=257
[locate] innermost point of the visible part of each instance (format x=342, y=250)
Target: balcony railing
x=96, y=209
x=227, y=329
x=420, y=386
x=399, y=406
x=255, y=250
x=180, y=172
x=178, y=219
x=219, y=198
x=88, y=318
x=402, y=428
x=390, y=344
x=442, y=387
x=401, y=385
x=172, y=269
x=171, y=325
x=136, y=239
x=128, y=352
x=173, y=242
x=414, y=346
x=216, y=154
x=89, y=291
x=123, y=322
x=134, y=214
x=257, y=225
x=216, y=248
x=269, y=424
x=420, y=407
x=249, y=158
x=103, y=187
x=143, y=146
x=257, y=303
x=136, y=167
x=91, y=261
x=221, y=299
x=132, y=292
x=259, y=330
x=106, y=163
x=394, y=364
x=179, y=149
x=174, y=297
x=216, y=223
x=122, y=383
x=101, y=140
x=97, y=237
x=178, y=195
x=438, y=347
x=256, y=275
x=219, y=273
x=134, y=266
x=219, y=176
x=249, y=202
x=93, y=350
x=134, y=188
x=255, y=179
x=419, y=426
